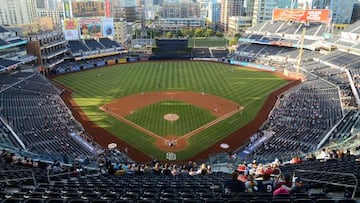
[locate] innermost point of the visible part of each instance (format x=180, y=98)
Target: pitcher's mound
x=171, y=117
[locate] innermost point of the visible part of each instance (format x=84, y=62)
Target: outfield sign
x=252, y=65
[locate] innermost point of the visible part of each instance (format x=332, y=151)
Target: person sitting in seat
x=234, y=185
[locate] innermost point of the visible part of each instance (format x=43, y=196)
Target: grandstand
x=38, y=120
x=330, y=79
x=13, y=51
x=92, y=48
x=322, y=110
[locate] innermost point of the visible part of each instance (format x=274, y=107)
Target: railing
x=49, y=176
x=330, y=174
x=17, y=179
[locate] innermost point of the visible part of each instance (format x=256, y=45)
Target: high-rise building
x=356, y=12
x=55, y=15
x=214, y=11
x=13, y=12
x=52, y=4
x=180, y=10
x=120, y=31
x=341, y=9
x=263, y=9
x=40, y=4
x=231, y=8
x=48, y=4
x=149, y=10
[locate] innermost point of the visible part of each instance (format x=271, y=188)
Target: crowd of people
x=255, y=177
x=116, y=162
x=7, y=157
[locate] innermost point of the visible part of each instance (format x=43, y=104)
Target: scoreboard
x=87, y=9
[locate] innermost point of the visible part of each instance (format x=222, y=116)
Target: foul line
x=133, y=124
x=186, y=136
x=207, y=125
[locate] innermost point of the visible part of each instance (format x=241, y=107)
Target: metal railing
x=32, y=177
x=49, y=175
x=332, y=174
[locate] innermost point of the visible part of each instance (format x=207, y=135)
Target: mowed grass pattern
x=152, y=117
x=249, y=88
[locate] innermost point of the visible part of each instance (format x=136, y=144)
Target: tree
x=238, y=35
x=169, y=34
x=187, y=31
x=209, y=32
x=199, y=32
x=233, y=41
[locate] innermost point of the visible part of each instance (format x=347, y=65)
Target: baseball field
x=183, y=107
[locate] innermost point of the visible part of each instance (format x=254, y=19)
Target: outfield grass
x=249, y=88
x=207, y=42
x=190, y=117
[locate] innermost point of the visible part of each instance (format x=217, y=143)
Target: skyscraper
x=232, y=8
x=263, y=9
x=214, y=10
x=13, y=12
x=341, y=9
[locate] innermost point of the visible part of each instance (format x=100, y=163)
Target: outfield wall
x=252, y=65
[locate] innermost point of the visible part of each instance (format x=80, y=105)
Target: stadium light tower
x=301, y=50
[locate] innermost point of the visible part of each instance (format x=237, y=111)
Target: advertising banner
x=107, y=8
x=70, y=24
x=108, y=27
x=71, y=34
x=302, y=15
x=90, y=27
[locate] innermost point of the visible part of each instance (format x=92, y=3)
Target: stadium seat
x=281, y=201
x=303, y=201
x=12, y=200
x=55, y=200
x=34, y=200
x=100, y=201
x=347, y=201
x=325, y=201
x=77, y=201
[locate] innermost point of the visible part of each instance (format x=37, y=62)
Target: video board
x=82, y=9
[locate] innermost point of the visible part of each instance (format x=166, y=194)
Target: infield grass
x=190, y=117
x=96, y=87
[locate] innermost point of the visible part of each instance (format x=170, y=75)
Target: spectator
x=299, y=187
x=166, y=171
x=139, y=170
x=266, y=185
x=156, y=169
x=251, y=184
x=234, y=185
x=202, y=170
x=287, y=181
x=147, y=170
x=324, y=154
x=175, y=170
x=3, y=156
